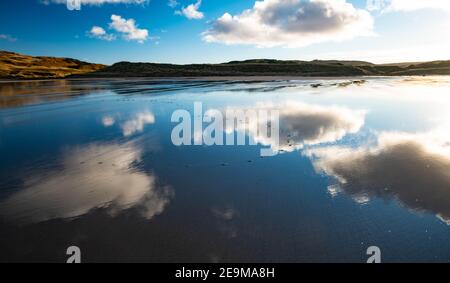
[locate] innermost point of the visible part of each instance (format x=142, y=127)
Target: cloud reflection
x=304, y=124
x=226, y=219
x=412, y=168
x=108, y=121
x=93, y=177
x=137, y=124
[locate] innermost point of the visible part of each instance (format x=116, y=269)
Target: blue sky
x=392, y=31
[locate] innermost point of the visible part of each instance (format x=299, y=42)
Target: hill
x=17, y=66
x=267, y=67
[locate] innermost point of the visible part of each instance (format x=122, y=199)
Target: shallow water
x=90, y=163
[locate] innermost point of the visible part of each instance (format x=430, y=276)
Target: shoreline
x=217, y=78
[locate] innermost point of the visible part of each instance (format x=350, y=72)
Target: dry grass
x=17, y=66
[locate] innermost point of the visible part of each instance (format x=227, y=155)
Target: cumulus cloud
x=411, y=168
x=128, y=29
x=100, y=33
x=92, y=177
x=407, y=5
x=291, y=23
x=138, y=123
x=192, y=11
x=97, y=31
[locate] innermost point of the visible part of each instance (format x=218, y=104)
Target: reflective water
x=91, y=164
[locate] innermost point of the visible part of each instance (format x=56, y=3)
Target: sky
x=215, y=31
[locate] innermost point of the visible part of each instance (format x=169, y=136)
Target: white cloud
x=100, y=33
x=97, y=31
x=7, y=37
x=191, y=12
x=407, y=5
x=291, y=23
x=126, y=27
x=129, y=29
x=138, y=123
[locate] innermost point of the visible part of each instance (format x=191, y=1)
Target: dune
x=18, y=66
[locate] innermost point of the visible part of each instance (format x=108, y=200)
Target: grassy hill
x=17, y=66
x=266, y=67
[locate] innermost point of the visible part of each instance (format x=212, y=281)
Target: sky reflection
x=363, y=164
x=305, y=124
x=91, y=177
x=411, y=168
